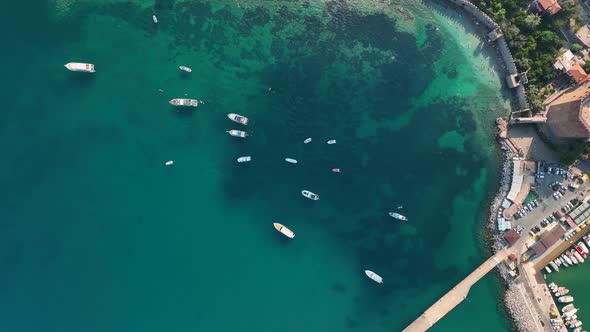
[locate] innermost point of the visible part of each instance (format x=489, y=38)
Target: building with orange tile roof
x=549, y=6
x=578, y=73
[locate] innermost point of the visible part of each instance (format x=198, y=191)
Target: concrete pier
x=455, y=296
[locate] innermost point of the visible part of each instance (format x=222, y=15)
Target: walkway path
x=455, y=296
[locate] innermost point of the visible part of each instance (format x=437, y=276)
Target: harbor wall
x=504, y=51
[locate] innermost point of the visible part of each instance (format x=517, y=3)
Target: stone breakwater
x=516, y=305
x=505, y=179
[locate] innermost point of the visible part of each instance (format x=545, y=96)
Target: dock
x=456, y=295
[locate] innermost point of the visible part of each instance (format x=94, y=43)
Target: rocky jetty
x=517, y=307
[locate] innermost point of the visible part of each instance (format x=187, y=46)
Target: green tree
x=532, y=21
x=576, y=47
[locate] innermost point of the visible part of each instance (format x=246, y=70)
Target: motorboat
x=570, y=313
x=557, y=262
x=586, y=239
x=583, y=247
x=567, y=308
x=169, y=162
x=310, y=195
x=563, y=290
x=575, y=323
x=377, y=278
x=238, y=118
x=554, y=266
x=565, y=299
x=155, y=19
x=579, y=250
x=570, y=254
x=80, y=66
x=547, y=269
x=552, y=285
x=336, y=170
x=567, y=259
x=332, y=141
x=307, y=140
x=237, y=133
x=563, y=262
x=578, y=257
x=287, y=232
x=291, y=160
x=186, y=69
x=184, y=102
x=577, y=329
x=398, y=216
x=572, y=317
x=244, y=159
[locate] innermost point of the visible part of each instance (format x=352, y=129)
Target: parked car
x=543, y=223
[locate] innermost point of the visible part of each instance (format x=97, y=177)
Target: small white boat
x=566, y=259
x=573, y=317
x=238, y=118
x=80, y=66
x=186, y=69
x=583, y=247
x=332, y=141
x=310, y=195
x=401, y=217
x=169, y=162
x=554, y=266
x=565, y=299
x=547, y=269
x=237, y=133
x=377, y=278
x=184, y=102
x=307, y=140
x=571, y=313
x=291, y=160
x=244, y=159
x=578, y=257
x=155, y=19
x=287, y=232
x=336, y=170
x=575, y=323
x=567, y=308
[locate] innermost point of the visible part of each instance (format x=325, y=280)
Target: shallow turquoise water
x=98, y=236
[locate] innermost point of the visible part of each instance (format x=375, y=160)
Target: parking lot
x=548, y=203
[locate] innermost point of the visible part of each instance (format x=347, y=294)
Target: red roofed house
x=578, y=73
x=550, y=6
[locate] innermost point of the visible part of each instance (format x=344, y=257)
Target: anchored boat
x=567, y=308
x=155, y=19
x=398, y=216
x=80, y=66
x=565, y=299
x=184, y=102
x=583, y=247
x=238, y=118
x=287, y=232
x=237, y=133
x=336, y=170
x=169, y=162
x=332, y=141
x=186, y=69
x=307, y=140
x=244, y=159
x=377, y=278
x=291, y=160
x=310, y=195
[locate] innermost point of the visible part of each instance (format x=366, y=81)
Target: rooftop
x=584, y=35
x=578, y=73
x=551, y=6
x=569, y=115
x=511, y=237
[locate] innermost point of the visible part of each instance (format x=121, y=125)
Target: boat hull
x=284, y=230
x=80, y=67
x=237, y=133
x=238, y=118
x=310, y=195
x=184, y=102
x=374, y=276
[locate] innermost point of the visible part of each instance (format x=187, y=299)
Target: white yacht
x=184, y=102
x=237, y=133
x=307, y=140
x=377, y=278
x=287, y=232
x=244, y=159
x=291, y=160
x=169, y=162
x=310, y=195
x=332, y=141
x=186, y=69
x=80, y=66
x=238, y=118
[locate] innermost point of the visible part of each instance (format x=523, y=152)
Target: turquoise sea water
x=97, y=235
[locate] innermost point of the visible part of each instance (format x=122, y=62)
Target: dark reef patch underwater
x=97, y=235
